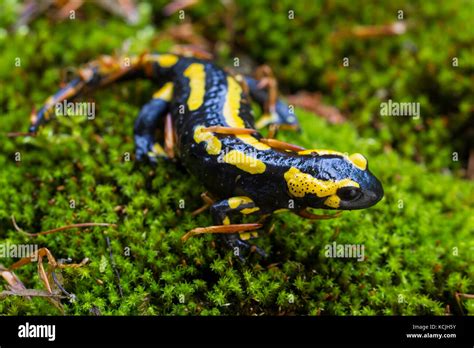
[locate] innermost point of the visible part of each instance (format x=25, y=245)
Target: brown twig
x=54, y=230
x=458, y=295
x=371, y=31
x=470, y=296
x=20, y=134
x=30, y=293
x=12, y=279
x=224, y=229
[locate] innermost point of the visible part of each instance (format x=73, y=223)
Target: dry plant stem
x=458, y=296
x=20, y=134
x=281, y=145
x=63, y=228
x=236, y=228
x=208, y=201
x=229, y=130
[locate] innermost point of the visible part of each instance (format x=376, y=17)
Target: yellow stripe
x=213, y=144
x=246, y=163
x=231, y=114
x=300, y=184
x=197, y=83
x=232, y=104
x=165, y=93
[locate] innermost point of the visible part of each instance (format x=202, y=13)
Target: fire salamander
x=209, y=126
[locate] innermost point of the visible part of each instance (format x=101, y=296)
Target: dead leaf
x=313, y=102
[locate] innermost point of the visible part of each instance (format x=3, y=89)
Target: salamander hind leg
x=237, y=242
x=276, y=113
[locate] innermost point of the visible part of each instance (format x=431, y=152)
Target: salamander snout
x=369, y=192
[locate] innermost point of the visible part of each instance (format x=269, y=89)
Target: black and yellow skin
x=246, y=175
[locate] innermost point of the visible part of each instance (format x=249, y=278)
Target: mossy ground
x=418, y=240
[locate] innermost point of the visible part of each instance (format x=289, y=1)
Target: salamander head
x=331, y=180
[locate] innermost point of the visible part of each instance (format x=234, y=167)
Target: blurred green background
x=419, y=240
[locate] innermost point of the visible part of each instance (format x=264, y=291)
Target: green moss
x=418, y=240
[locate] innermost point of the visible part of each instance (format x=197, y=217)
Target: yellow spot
x=278, y=211
x=158, y=150
x=213, y=144
x=249, y=210
x=246, y=163
x=245, y=236
x=359, y=161
x=356, y=158
x=231, y=114
x=235, y=202
x=226, y=221
x=166, y=60
x=197, y=82
x=165, y=93
x=332, y=201
x=300, y=184
x=248, y=235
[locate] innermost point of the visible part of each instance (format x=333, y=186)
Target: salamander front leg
x=234, y=236
x=146, y=124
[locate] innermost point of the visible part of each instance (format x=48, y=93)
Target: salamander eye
x=349, y=193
